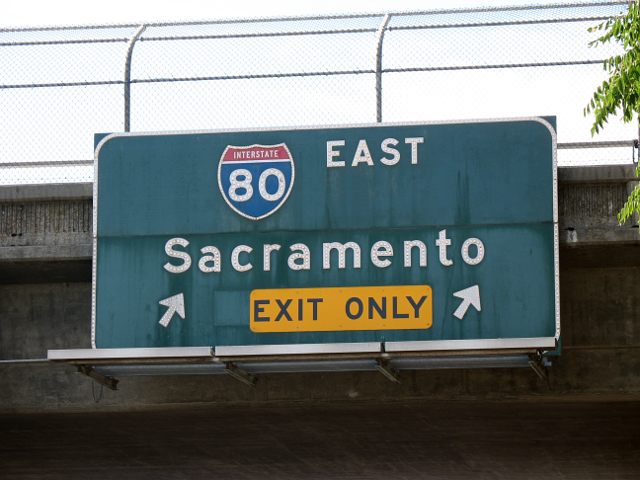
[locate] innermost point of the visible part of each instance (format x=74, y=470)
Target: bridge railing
x=61, y=85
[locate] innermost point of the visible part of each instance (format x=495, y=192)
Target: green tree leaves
x=621, y=91
x=632, y=205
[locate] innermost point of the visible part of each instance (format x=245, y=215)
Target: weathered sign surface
x=431, y=235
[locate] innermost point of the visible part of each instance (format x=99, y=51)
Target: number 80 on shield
x=256, y=180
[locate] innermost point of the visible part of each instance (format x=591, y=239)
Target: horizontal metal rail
x=295, y=33
x=511, y=23
x=23, y=361
x=306, y=74
x=48, y=163
x=87, y=163
x=192, y=37
x=602, y=144
x=61, y=84
x=30, y=43
x=193, y=79
x=254, y=76
x=497, y=9
x=492, y=66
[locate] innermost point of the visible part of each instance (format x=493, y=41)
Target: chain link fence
x=61, y=85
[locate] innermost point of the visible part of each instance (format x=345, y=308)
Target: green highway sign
x=436, y=236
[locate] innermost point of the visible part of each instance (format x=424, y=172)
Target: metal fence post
x=127, y=77
x=379, y=41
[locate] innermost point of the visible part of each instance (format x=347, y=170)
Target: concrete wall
x=45, y=304
x=601, y=355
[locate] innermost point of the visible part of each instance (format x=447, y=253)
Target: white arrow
x=175, y=304
x=469, y=296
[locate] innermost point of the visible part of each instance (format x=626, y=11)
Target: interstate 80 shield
x=256, y=180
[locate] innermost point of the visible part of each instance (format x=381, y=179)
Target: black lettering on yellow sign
x=355, y=307
x=260, y=306
x=335, y=309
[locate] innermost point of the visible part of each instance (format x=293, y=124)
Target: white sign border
x=427, y=345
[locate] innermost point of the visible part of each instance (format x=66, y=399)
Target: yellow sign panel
x=398, y=307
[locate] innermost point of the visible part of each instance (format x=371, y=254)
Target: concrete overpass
x=45, y=265
x=480, y=422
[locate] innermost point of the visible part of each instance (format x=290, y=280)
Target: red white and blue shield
x=256, y=180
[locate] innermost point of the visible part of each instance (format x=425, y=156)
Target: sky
x=28, y=13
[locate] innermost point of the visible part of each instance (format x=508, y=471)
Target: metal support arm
x=539, y=364
x=127, y=77
x=240, y=375
x=379, y=41
x=107, y=381
x=382, y=365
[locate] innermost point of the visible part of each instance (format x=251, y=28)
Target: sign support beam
x=239, y=374
x=382, y=365
x=109, y=382
x=539, y=366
